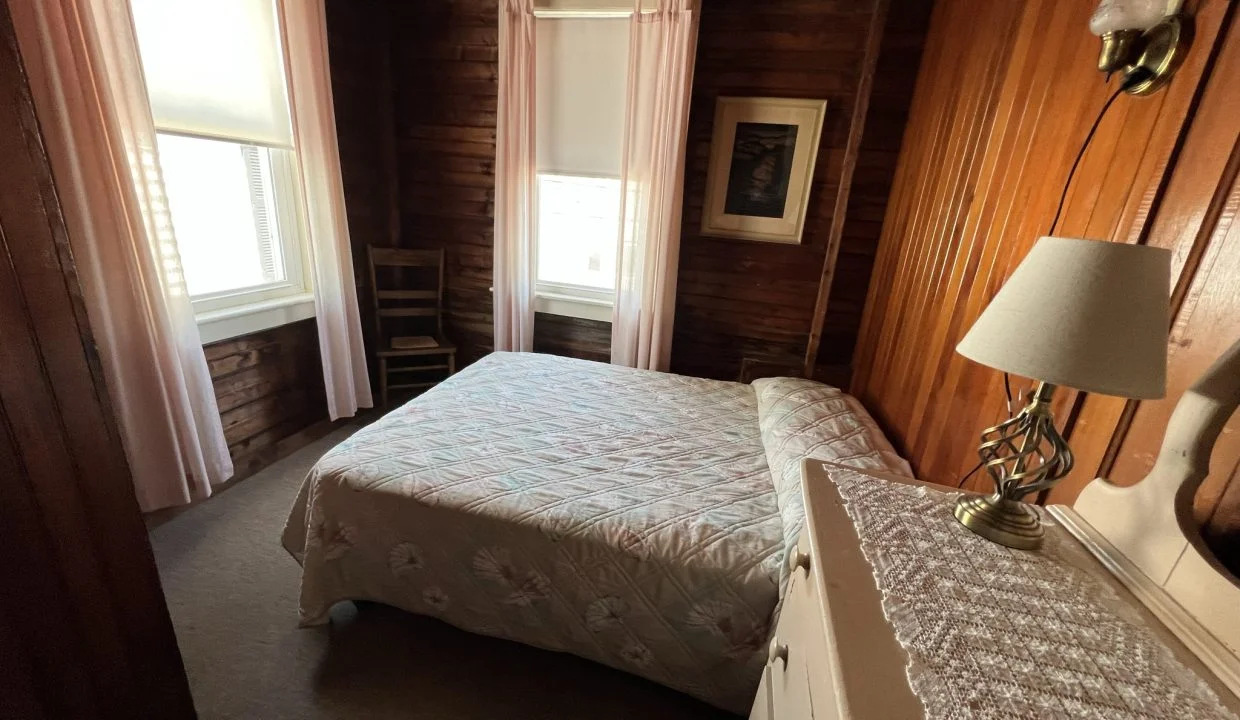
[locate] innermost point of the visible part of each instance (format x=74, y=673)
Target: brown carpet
x=232, y=591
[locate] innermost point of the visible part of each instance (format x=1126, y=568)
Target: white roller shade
x=582, y=71
x=214, y=68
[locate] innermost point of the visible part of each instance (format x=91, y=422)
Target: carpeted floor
x=232, y=591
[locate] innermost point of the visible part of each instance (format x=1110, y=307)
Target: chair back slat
x=406, y=302
x=401, y=257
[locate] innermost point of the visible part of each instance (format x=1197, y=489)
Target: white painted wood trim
x=245, y=319
x=572, y=306
x=1220, y=659
x=1147, y=536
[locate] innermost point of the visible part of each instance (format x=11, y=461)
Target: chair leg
x=451, y=363
x=383, y=381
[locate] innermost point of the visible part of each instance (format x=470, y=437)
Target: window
x=578, y=220
x=226, y=201
x=215, y=76
x=581, y=71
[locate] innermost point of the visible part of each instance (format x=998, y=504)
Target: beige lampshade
x=1086, y=314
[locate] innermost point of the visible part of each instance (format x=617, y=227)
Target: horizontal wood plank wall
x=445, y=64
x=891, y=95
x=357, y=35
x=739, y=299
x=269, y=386
x=1004, y=98
x=736, y=299
x=573, y=337
x=444, y=68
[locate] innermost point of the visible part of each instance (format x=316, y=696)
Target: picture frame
x=762, y=156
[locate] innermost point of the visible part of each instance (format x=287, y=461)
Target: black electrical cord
x=1133, y=78
x=1007, y=391
x=1081, y=154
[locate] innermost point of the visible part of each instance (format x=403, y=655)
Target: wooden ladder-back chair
x=418, y=309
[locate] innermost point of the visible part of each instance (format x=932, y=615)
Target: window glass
x=222, y=199
x=578, y=227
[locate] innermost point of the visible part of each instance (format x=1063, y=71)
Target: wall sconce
x=1144, y=39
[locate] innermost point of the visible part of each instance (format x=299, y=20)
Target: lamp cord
x=1093, y=129
x=1133, y=78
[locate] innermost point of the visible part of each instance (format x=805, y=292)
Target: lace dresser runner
x=994, y=632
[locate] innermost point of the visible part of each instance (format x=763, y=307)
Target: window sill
x=233, y=322
x=573, y=306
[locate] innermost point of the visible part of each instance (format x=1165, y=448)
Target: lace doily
x=994, y=632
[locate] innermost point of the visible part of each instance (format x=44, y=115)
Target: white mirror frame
x=1146, y=535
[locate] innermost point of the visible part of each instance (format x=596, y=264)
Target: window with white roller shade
x=581, y=87
x=216, y=83
x=214, y=68
x=582, y=71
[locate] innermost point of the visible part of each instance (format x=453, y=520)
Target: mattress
x=626, y=516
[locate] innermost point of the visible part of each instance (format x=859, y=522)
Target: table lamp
x=1084, y=314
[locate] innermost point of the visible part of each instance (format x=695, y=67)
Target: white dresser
x=833, y=654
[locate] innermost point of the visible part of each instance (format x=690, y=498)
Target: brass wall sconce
x=1146, y=40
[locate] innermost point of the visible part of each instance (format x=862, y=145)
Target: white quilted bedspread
x=625, y=516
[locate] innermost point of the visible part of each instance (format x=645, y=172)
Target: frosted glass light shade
x=215, y=69
x=1114, y=15
x=1086, y=314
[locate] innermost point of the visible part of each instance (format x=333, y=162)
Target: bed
x=634, y=518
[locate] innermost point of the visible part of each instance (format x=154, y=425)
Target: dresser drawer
x=762, y=701
x=798, y=675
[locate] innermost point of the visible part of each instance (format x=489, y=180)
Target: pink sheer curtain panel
x=514, y=180
x=318, y=154
x=662, y=45
x=89, y=92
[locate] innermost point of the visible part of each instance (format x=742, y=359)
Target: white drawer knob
x=798, y=560
x=778, y=652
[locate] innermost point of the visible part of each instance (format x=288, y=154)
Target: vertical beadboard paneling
x=1005, y=96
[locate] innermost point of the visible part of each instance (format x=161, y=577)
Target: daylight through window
x=215, y=76
x=582, y=68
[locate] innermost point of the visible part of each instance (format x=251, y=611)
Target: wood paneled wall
x=84, y=631
x=444, y=69
x=269, y=387
x=891, y=95
x=445, y=63
x=1005, y=96
x=357, y=37
x=573, y=337
x=735, y=298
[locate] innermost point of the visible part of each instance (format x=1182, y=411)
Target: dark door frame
x=84, y=629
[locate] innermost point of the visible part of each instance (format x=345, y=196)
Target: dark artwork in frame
x=761, y=169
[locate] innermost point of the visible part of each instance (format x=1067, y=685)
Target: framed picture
x=761, y=168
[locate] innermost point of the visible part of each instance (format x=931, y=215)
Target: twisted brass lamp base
x=1007, y=522
x=1023, y=455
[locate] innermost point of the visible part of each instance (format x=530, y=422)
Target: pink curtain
x=662, y=44
x=82, y=60
x=514, y=180
x=318, y=154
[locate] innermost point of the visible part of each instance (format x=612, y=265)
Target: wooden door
x=84, y=631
